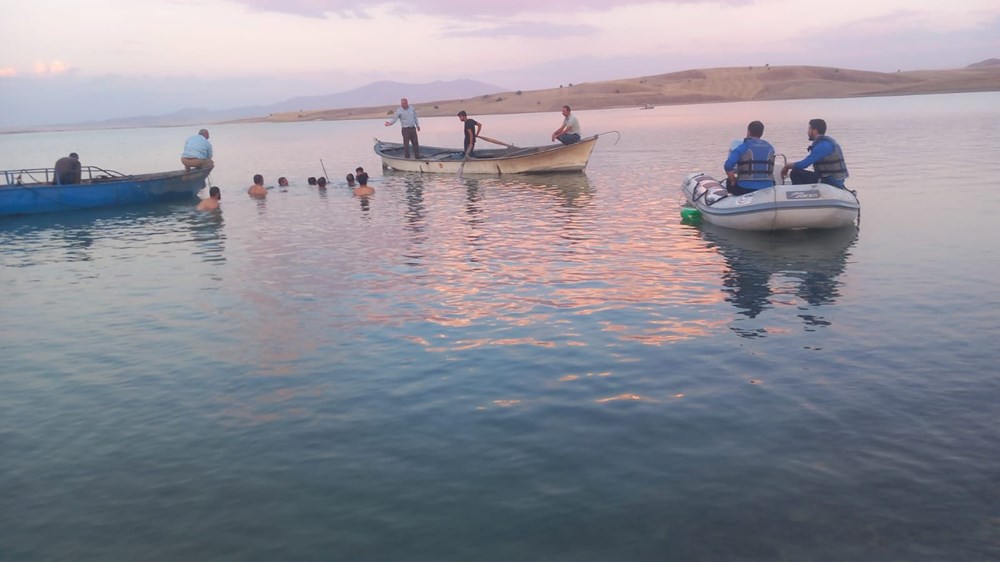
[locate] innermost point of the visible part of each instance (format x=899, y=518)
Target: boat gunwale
x=540, y=150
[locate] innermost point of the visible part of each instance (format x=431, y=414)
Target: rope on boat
x=609, y=132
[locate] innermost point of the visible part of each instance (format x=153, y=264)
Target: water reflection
x=572, y=191
x=762, y=268
x=366, y=207
x=208, y=235
x=473, y=202
x=78, y=236
x=414, y=216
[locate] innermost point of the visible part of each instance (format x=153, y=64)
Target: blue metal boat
x=30, y=191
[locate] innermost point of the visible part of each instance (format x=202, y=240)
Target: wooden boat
x=493, y=161
x=782, y=207
x=646, y=106
x=29, y=191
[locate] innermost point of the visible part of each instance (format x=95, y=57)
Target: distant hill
x=985, y=63
x=715, y=85
x=388, y=93
x=383, y=92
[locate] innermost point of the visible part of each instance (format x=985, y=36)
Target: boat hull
x=782, y=207
x=31, y=198
x=529, y=160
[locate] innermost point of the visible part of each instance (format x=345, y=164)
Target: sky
x=66, y=61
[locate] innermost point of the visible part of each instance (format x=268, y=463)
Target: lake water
x=523, y=368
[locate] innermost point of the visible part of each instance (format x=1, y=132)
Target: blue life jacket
x=756, y=162
x=831, y=165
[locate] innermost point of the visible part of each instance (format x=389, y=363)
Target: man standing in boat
x=569, y=133
x=67, y=170
x=750, y=165
x=407, y=117
x=825, y=156
x=197, y=152
x=471, y=127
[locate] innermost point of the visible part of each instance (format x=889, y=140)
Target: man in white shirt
x=570, y=130
x=407, y=117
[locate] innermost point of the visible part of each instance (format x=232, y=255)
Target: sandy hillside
x=694, y=86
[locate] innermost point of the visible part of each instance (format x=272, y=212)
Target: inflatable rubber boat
x=782, y=207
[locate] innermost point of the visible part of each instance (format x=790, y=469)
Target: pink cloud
x=54, y=67
x=457, y=8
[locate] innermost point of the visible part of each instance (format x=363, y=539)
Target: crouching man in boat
x=471, y=127
x=67, y=170
x=825, y=156
x=197, y=152
x=569, y=133
x=212, y=203
x=750, y=165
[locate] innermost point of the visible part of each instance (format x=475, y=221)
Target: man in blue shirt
x=750, y=165
x=825, y=156
x=197, y=152
x=407, y=117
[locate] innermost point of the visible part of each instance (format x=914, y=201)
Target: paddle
x=494, y=141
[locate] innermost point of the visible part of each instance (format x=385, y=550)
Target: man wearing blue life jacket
x=825, y=156
x=750, y=165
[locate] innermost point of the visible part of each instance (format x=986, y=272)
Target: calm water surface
x=529, y=368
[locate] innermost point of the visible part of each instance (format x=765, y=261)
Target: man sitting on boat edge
x=825, y=156
x=750, y=165
x=569, y=133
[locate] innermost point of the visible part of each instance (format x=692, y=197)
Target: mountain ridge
x=383, y=92
x=712, y=85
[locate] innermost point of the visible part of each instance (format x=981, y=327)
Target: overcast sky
x=71, y=61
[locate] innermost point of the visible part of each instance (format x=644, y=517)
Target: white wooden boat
x=511, y=160
x=782, y=207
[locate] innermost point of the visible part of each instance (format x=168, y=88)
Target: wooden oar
x=494, y=141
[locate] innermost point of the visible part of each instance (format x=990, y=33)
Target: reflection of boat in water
x=492, y=161
x=802, y=264
x=573, y=190
x=782, y=207
x=30, y=191
x=91, y=233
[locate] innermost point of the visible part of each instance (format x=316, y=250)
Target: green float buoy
x=690, y=213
